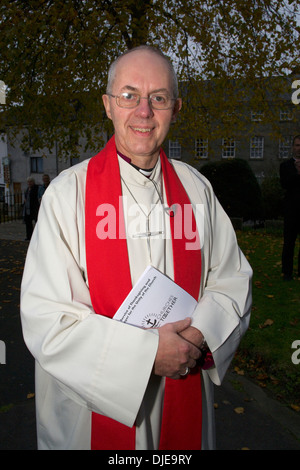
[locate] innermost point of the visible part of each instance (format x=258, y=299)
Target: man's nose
x=144, y=108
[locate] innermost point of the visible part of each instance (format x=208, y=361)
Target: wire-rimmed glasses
x=132, y=100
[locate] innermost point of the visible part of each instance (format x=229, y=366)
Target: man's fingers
x=181, y=325
x=174, y=353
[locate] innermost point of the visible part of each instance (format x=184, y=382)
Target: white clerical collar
x=145, y=172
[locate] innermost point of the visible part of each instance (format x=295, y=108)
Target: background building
x=261, y=141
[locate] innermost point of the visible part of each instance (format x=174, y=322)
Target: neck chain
x=148, y=232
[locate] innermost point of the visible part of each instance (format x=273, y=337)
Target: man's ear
x=176, y=109
x=106, y=102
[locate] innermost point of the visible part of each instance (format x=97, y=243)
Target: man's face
x=140, y=132
x=296, y=149
x=46, y=180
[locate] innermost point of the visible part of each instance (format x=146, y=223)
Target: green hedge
x=236, y=187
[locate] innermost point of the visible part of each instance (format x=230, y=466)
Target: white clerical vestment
x=87, y=362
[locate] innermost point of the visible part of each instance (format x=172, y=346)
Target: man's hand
x=193, y=335
x=175, y=353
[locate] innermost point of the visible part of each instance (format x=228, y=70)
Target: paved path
x=15, y=230
x=264, y=424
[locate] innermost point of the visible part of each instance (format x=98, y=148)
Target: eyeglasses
x=132, y=100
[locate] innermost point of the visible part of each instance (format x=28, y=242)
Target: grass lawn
x=266, y=350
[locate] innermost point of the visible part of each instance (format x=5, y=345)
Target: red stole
x=182, y=415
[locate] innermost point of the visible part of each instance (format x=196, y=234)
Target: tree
x=55, y=56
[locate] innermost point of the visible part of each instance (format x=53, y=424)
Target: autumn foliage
x=55, y=56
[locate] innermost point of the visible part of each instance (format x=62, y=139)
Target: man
x=31, y=206
x=102, y=383
x=290, y=181
x=43, y=187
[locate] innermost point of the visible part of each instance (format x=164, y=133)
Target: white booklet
x=154, y=301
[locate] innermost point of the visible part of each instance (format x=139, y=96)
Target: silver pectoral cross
x=148, y=232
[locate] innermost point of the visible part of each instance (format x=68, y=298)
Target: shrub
x=272, y=196
x=236, y=187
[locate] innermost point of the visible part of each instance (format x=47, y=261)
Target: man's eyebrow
x=128, y=87
x=136, y=90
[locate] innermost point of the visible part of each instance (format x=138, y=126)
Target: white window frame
x=257, y=147
x=174, y=149
x=228, y=147
x=285, y=147
x=201, y=148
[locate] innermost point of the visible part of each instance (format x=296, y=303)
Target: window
x=285, y=147
x=257, y=116
x=36, y=165
x=201, y=148
x=228, y=148
x=174, y=149
x=74, y=161
x=286, y=115
x=257, y=147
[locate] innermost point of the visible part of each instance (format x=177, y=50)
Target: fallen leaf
x=5, y=408
x=262, y=376
x=30, y=395
x=226, y=402
x=239, y=371
x=268, y=322
x=295, y=407
x=239, y=410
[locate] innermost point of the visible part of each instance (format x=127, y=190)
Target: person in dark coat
x=31, y=206
x=290, y=181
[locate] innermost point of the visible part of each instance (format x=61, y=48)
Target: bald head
x=140, y=77
x=113, y=67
